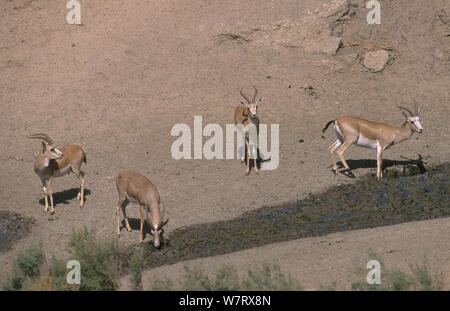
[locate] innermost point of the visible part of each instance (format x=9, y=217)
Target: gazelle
x=136, y=188
x=54, y=162
x=247, y=114
x=351, y=130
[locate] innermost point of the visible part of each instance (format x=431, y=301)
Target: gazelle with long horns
x=247, y=115
x=136, y=188
x=54, y=162
x=380, y=136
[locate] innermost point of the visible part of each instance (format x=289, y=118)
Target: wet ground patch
x=403, y=196
x=13, y=227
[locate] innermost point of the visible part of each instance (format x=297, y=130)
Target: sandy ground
x=119, y=82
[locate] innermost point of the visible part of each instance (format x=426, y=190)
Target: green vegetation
x=266, y=278
x=271, y=278
x=419, y=278
x=136, y=264
x=26, y=268
x=99, y=262
x=101, y=267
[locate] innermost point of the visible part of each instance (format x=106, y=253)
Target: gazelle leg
x=247, y=150
x=379, y=162
x=80, y=195
x=341, y=151
x=242, y=154
x=255, y=154
x=141, y=234
x=118, y=217
x=50, y=194
x=333, y=148
x=44, y=188
x=82, y=190
x=127, y=224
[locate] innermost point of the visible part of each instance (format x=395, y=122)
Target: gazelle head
x=157, y=223
x=413, y=117
x=251, y=105
x=48, y=150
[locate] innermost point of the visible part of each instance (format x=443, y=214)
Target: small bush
x=426, y=281
x=136, y=264
x=195, y=279
x=99, y=260
x=26, y=268
x=419, y=278
x=227, y=279
x=270, y=278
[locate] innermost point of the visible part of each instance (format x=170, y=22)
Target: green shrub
x=99, y=260
x=227, y=279
x=426, y=281
x=26, y=268
x=269, y=278
x=419, y=278
x=136, y=264
x=195, y=279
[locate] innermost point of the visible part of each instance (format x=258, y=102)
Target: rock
x=349, y=58
x=328, y=46
x=311, y=34
x=335, y=7
x=376, y=61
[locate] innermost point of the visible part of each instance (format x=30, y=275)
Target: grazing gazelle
x=247, y=114
x=379, y=136
x=136, y=188
x=54, y=162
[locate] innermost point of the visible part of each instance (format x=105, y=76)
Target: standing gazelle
x=136, y=188
x=379, y=136
x=246, y=115
x=54, y=162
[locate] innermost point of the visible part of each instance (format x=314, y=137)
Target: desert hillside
x=119, y=82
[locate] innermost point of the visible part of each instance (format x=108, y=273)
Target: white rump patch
x=338, y=132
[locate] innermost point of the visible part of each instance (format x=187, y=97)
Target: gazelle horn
x=42, y=136
x=245, y=97
x=406, y=110
x=255, y=93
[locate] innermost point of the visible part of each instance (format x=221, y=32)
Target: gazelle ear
x=405, y=115
x=241, y=103
x=260, y=99
x=43, y=146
